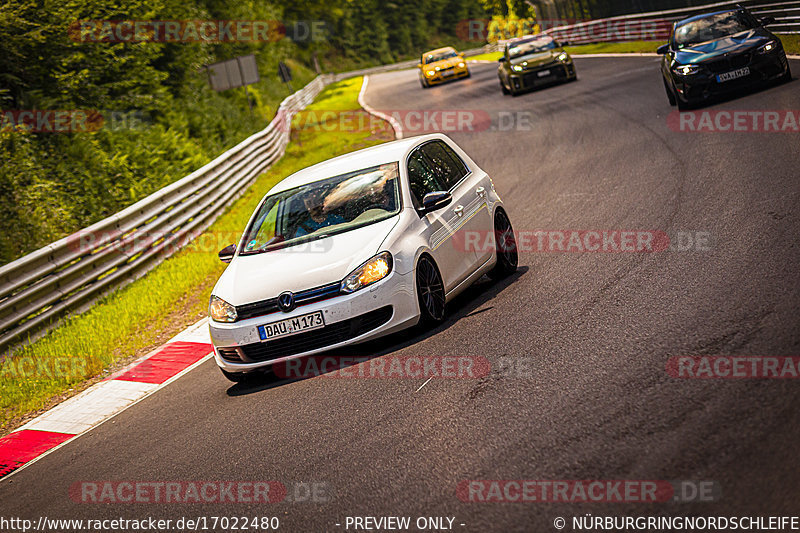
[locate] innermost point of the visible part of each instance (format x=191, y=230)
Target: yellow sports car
x=441, y=65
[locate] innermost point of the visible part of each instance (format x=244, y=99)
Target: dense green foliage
x=52, y=184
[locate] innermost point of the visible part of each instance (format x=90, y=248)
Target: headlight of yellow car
x=461, y=65
x=221, y=311
x=430, y=73
x=370, y=272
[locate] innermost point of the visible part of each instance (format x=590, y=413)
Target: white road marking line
x=398, y=129
x=197, y=332
x=91, y=407
x=124, y=389
x=426, y=382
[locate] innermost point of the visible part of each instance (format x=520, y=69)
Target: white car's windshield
x=322, y=208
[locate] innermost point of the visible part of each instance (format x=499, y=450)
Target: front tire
x=787, y=77
x=503, y=87
x=505, y=247
x=424, y=83
x=670, y=94
x=430, y=292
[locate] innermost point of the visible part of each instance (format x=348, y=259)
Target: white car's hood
x=251, y=278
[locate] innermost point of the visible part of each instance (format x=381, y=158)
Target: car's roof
x=705, y=15
x=440, y=50
x=376, y=155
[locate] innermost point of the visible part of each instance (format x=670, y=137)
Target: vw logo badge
x=286, y=301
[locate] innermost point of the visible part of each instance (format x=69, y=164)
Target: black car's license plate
x=732, y=75
x=291, y=326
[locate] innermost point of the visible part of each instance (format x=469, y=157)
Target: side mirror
x=419, y=65
x=663, y=49
x=502, y=58
x=434, y=201
x=562, y=44
x=227, y=253
x=768, y=20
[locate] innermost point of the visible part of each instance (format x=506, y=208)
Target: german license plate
x=291, y=326
x=732, y=75
x=448, y=72
x=543, y=73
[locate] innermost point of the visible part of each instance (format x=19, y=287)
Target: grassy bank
x=133, y=321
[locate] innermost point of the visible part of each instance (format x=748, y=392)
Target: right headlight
x=370, y=272
x=221, y=311
x=517, y=68
x=686, y=70
x=430, y=73
x=769, y=47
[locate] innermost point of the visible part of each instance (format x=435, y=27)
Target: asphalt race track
x=578, y=342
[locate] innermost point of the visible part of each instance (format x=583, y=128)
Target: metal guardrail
x=71, y=274
x=656, y=25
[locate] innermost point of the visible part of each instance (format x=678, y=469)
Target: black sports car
x=719, y=52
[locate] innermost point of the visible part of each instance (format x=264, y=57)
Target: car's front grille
x=230, y=354
x=544, y=67
x=558, y=72
x=313, y=340
x=729, y=63
x=265, y=307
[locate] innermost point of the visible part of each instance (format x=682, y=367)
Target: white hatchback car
x=356, y=247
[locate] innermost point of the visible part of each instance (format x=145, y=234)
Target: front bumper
x=386, y=307
x=530, y=78
x=704, y=85
x=443, y=76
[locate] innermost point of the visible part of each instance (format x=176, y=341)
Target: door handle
x=480, y=191
x=459, y=210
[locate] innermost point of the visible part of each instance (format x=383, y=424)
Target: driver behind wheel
x=318, y=214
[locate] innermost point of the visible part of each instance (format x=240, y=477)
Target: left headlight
x=686, y=70
x=461, y=65
x=563, y=57
x=769, y=47
x=370, y=272
x=221, y=311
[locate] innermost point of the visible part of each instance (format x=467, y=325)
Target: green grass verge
x=138, y=318
x=791, y=43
